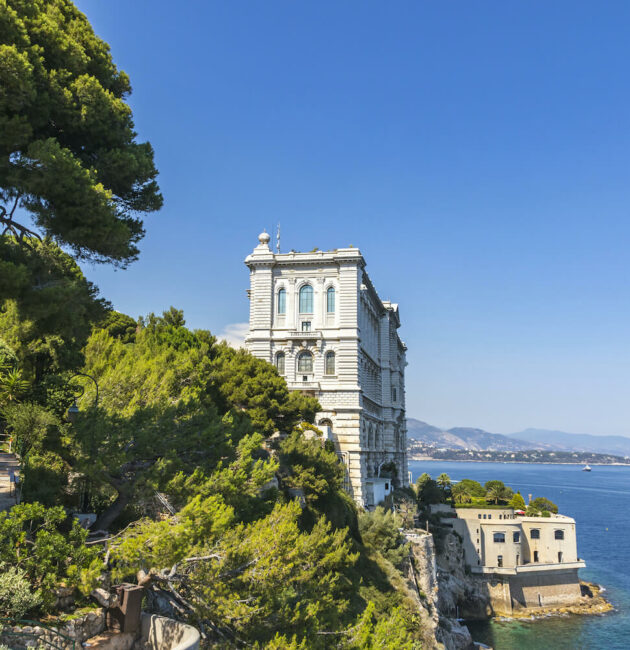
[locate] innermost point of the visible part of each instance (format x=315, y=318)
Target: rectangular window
x=306, y=299
x=516, y=537
x=499, y=560
x=306, y=325
x=559, y=556
x=535, y=556
x=282, y=301
x=330, y=300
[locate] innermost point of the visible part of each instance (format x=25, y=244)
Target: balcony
x=304, y=385
x=528, y=568
x=314, y=334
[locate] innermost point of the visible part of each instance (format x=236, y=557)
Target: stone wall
x=78, y=629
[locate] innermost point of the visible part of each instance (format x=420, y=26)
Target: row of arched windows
x=305, y=362
x=305, y=300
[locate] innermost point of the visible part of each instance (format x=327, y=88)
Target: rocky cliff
x=425, y=588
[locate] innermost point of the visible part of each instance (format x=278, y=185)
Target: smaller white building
x=526, y=561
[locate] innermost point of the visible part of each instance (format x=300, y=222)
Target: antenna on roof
x=278, y=240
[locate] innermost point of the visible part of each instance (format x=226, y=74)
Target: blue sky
x=476, y=152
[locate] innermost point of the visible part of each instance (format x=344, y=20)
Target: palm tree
x=460, y=493
x=12, y=386
x=498, y=493
x=444, y=481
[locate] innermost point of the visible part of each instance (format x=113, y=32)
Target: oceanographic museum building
x=317, y=317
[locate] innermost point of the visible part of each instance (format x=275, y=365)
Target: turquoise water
x=600, y=502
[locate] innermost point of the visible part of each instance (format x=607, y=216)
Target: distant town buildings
x=318, y=318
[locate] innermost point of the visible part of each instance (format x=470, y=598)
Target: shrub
x=16, y=595
x=36, y=540
x=380, y=532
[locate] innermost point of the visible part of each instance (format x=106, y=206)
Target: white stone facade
x=317, y=317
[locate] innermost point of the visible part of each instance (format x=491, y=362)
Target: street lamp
x=73, y=411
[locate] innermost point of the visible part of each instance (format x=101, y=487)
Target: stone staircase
x=7, y=495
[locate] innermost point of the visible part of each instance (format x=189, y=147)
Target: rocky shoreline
x=592, y=603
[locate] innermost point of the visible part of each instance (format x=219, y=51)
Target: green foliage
x=155, y=416
x=406, y=505
x=67, y=144
x=474, y=488
x=380, y=532
x=32, y=427
x=497, y=491
x=45, y=478
x=517, y=502
x=16, y=596
x=36, y=434
x=12, y=386
x=254, y=386
x=428, y=491
x=120, y=326
x=444, y=481
x=541, y=504
x=244, y=484
x=466, y=490
x=386, y=633
x=38, y=541
x=313, y=468
x=47, y=307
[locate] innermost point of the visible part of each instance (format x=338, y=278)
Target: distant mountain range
x=480, y=440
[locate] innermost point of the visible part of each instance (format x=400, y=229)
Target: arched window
x=330, y=363
x=330, y=300
x=282, y=301
x=305, y=362
x=499, y=538
x=280, y=362
x=558, y=534
x=306, y=299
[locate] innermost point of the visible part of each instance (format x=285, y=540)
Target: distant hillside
x=618, y=445
x=480, y=440
x=463, y=438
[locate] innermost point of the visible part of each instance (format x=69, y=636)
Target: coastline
x=507, y=462
x=593, y=605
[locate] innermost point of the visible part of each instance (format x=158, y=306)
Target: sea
x=600, y=503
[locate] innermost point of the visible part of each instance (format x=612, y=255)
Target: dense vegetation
x=229, y=508
x=210, y=485
x=470, y=493
x=68, y=152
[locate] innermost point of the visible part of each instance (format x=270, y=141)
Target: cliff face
x=460, y=594
x=425, y=587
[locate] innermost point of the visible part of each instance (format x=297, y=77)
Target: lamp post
x=73, y=410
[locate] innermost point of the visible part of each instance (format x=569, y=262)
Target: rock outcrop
x=424, y=586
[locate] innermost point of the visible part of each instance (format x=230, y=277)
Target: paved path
x=7, y=462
